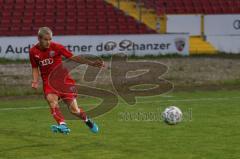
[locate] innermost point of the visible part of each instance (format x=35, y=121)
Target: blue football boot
x=92, y=126
x=62, y=128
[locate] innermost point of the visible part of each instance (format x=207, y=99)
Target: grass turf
x=210, y=129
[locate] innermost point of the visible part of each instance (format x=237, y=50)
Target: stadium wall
x=184, y=24
x=223, y=31
x=227, y=24
x=222, y=24
x=227, y=44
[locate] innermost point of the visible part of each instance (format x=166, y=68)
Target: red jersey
x=48, y=59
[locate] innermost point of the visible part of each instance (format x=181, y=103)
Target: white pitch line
x=22, y=108
x=167, y=96
x=202, y=99
x=153, y=101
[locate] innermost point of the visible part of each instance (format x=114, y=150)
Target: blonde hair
x=44, y=30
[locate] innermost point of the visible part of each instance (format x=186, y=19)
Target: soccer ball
x=172, y=115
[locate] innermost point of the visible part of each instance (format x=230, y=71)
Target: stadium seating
x=66, y=17
x=193, y=6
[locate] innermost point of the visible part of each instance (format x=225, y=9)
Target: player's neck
x=41, y=47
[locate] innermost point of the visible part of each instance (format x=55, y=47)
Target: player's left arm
x=96, y=63
x=82, y=60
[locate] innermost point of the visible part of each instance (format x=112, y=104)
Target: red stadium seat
x=193, y=6
x=4, y=29
x=16, y=22
x=39, y=7
x=26, y=28
x=27, y=21
x=38, y=21
x=66, y=17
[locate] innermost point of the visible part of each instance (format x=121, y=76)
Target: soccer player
x=44, y=57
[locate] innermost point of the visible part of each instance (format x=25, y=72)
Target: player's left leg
x=79, y=112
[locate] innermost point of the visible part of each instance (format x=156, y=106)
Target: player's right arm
x=35, y=70
x=35, y=77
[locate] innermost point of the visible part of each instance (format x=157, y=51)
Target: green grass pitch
x=210, y=129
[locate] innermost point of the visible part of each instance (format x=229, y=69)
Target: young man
x=45, y=56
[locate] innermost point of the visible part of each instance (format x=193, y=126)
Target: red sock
x=57, y=115
x=82, y=115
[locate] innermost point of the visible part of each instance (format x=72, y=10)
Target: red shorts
x=70, y=94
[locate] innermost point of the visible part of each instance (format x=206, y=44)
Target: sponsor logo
x=110, y=46
x=46, y=62
x=236, y=24
x=180, y=44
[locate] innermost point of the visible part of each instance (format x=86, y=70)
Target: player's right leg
x=52, y=100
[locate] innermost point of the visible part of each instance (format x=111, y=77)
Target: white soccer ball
x=172, y=115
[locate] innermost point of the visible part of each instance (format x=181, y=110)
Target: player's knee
x=75, y=110
x=53, y=102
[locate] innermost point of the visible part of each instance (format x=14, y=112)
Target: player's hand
x=34, y=84
x=98, y=63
